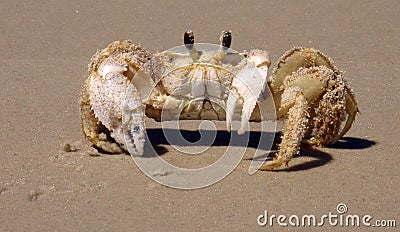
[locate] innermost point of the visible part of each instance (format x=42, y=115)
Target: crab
x=125, y=82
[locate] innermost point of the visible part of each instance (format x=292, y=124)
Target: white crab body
x=213, y=87
x=125, y=83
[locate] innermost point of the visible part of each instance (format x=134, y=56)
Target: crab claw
x=105, y=103
x=247, y=86
x=133, y=122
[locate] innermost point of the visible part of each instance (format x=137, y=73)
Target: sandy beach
x=45, y=47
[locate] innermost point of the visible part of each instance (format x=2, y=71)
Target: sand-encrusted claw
x=102, y=100
x=133, y=127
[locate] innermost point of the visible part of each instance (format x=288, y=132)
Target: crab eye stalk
x=226, y=38
x=188, y=39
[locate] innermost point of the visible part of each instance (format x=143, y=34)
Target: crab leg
x=295, y=127
x=351, y=110
x=330, y=112
x=298, y=58
x=247, y=86
x=230, y=109
x=295, y=58
x=303, y=86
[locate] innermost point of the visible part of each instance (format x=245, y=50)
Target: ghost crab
x=125, y=80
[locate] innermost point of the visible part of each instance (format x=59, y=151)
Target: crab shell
x=215, y=86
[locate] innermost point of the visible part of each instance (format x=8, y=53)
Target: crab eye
x=188, y=39
x=226, y=38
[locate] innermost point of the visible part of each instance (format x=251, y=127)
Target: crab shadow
x=352, y=143
x=318, y=157
x=158, y=137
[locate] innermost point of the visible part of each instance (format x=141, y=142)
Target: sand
x=46, y=45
